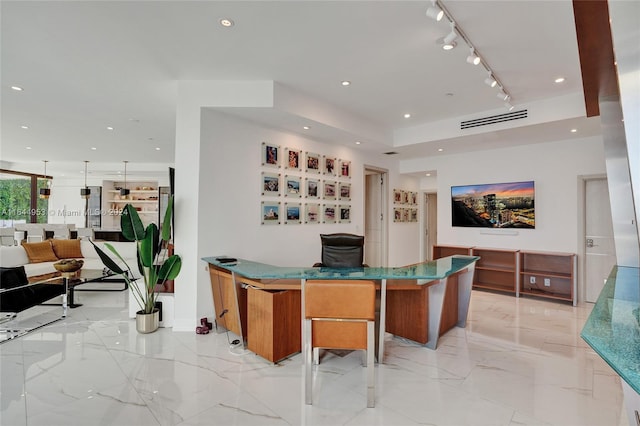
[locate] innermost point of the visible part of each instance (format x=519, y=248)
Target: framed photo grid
x=304, y=180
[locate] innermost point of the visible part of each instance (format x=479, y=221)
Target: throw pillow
x=67, y=249
x=40, y=252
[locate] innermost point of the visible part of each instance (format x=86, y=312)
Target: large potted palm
x=155, y=264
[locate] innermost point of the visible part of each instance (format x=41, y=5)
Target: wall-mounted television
x=494, y=205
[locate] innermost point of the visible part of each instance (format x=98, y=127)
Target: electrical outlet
x=547, y=282
x=532, y=280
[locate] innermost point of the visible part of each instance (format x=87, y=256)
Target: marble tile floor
x=518, y=362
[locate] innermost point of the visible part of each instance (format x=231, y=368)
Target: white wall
x=230, y=197
x=555, y=168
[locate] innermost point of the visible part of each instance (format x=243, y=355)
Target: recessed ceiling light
x=28, y=147
x=17, y=88
x=24, y=127
x=440, y=149
x=345, y=83
x=407, y=115
x=427, y=174
x=449, y=94
x=93, y=148
x=574, y=130
x=109, y=128
x=306, y=127
x=157, y=148
x=226, y=22
x=559, y=80
x=358, y=142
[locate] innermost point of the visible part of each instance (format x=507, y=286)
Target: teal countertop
x=431, y=270
x=613, y=328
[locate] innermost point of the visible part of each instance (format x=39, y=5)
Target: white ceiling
x=86, y=65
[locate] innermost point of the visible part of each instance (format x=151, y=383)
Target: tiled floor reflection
x=518, y=362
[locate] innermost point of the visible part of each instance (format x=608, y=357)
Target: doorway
x=429, y=224
x=375, y=217
x=597, y=242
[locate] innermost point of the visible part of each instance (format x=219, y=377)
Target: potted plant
x=154, y=263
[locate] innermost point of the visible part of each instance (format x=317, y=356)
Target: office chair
x=342, y=250
x=339, y=315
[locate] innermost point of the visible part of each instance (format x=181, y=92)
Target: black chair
x=23, y=298
x=342, y=250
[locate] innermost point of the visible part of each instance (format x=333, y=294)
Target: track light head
x=449, y=46
x=434, y=12
x=490, y=81
x=509, y=106
x=502, y=96
x=473, y=59
x=449, y=38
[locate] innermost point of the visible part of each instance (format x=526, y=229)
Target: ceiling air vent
x=500, y=118
x=390, y=153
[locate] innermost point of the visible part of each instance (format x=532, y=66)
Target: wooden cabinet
x=440, y=251
x=274, y=323
x=548, y=274
x=497, y=269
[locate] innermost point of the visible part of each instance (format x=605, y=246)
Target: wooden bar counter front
x=262, y=303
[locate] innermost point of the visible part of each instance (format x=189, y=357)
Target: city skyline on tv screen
x=495, y=205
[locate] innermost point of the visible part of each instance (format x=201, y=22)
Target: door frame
x=384, y=207
x=582, y=232
x=424, y=250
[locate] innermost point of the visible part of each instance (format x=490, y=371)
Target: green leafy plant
x=154, y=264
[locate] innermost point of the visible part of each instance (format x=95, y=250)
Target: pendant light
x=85, y=192
x=124, y=191
x=45, y=193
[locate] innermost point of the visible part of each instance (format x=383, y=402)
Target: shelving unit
x=143, y=196
x=497, y=269
x=440, y=251
x=548, y=274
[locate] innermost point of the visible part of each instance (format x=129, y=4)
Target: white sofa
x=13, y=256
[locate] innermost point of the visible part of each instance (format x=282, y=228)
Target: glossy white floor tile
x=518, y=362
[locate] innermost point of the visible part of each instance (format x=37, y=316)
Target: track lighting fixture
x=450, y=38
x=509, y=106
x=434, y=12
x=450, y=41
x=502, y=95
x=473, y=58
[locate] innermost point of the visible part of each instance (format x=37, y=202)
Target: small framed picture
x=292, y=186
x=405, y=197
x=292, y=211
x=414, y=198
x=312, y=213
x=293, y=159
x=270, y=213
x=329, y=213
x=406, y=215
x=397, y=196
x=271, y=184
x=345, y=168
x=413, y=215
x=329, y=190
x=345, y=214
x=397, y=214
x=270, y=155
x=345, y=191
x=329, y=166
x=312, y=189
x=313, y=162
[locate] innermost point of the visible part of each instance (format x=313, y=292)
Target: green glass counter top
x=613, y=327
x=431, y=270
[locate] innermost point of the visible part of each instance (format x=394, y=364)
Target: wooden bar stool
x=339, y=315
